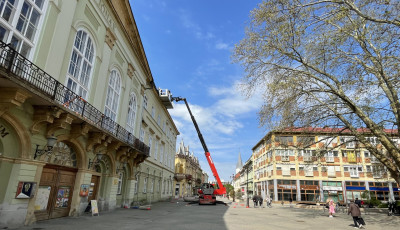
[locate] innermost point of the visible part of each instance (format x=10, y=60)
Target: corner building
x=310, y=165
x=81, y=117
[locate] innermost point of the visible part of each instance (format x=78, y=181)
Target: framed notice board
x=95, y=209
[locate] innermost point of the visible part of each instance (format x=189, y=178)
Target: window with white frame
x=81, y=64
x=130, y=124
x=152, y=186
x=141, y=134
x=156, y=149
x=161, y=153
x=378, y=171
x=145, y=185
x=113, y=92
x=159, y=120
x=327, y=140
x=372, y=140
x=120, y=179
x=150, y=143
x=367, y=154
x=145, y=101
x=20, y=22
x=350, y=142
x=354, y=170
x=153, y=112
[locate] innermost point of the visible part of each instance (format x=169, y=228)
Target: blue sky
x=189, y=45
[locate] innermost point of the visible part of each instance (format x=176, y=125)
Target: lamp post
x=247, y=185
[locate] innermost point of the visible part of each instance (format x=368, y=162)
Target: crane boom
x=221, y=190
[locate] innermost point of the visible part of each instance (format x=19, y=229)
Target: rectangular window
x=284, y=139
x=306, y=140
x=156, y=150
x=145, y=185
x=150, y=143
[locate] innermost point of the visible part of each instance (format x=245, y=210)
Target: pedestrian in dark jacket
x=355, y=212
x=358, y=202
x=255, y=200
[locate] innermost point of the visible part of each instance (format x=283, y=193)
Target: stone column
x=275, y=190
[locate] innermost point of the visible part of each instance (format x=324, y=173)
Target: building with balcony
x=245, y=179
x=188, y=174
x=310, y=165
x=81, y=117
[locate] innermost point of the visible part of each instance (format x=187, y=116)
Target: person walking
x=331, y=208
x=358, y=202
x=255, y=200
x=355, y=212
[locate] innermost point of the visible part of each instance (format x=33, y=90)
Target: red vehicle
x=207, y=192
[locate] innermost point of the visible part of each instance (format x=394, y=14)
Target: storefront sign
x=379, y=188
x=309, y=187
x=25, y=190
x=354, y=188
x=332, y=188
x=286, y=186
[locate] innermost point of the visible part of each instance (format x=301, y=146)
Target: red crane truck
x=207, y=191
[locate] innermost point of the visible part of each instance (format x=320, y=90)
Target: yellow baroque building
x=81, y=118
x=188, y=174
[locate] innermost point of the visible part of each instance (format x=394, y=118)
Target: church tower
x=239, y=164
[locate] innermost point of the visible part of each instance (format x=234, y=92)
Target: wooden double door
x=55, y=192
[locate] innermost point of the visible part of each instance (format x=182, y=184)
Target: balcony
x=308, y=158
x=285, y=158
x=330, y=159
x=47, y=93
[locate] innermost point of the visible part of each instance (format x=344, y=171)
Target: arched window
x=20, y=23
x=130, y=124
x=113, y=92
x=81, y=64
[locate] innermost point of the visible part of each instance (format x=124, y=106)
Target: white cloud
x=222, y=46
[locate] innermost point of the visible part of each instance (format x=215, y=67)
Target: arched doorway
x=57, y=183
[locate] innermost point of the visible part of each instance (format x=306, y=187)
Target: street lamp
x=247, y=185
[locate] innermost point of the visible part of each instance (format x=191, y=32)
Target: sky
x=189, y=45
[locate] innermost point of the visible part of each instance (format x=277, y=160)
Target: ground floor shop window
x=396, y=191
x=379, y=190
x=287, y=189
x=309, y=190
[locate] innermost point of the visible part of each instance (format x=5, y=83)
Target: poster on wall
x=84, y=190
x=62, y=197
x=25, y=190
x=95, y=209
x=42, y=198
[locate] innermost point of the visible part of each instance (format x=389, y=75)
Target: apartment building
x=312, y=164
x=81, y=117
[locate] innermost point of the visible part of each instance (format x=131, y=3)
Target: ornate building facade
x=188, y=174
x=81, y=117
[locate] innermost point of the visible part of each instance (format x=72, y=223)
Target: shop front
x=379, y=190
x=333, y=190
x=287, y=189
x=354, y=189
x=309, y=190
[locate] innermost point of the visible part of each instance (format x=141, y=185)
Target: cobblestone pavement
x=179, y=215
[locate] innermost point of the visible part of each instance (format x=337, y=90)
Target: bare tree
x=328, y=63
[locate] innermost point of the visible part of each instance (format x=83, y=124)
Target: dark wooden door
x=59, y=181
x=94, y=188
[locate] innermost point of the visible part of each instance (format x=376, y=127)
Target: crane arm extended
x=221, y=190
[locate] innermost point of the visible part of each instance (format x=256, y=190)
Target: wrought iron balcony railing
x=28, y=73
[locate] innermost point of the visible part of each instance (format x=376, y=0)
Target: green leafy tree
x=228, y=188
x=328, y=63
